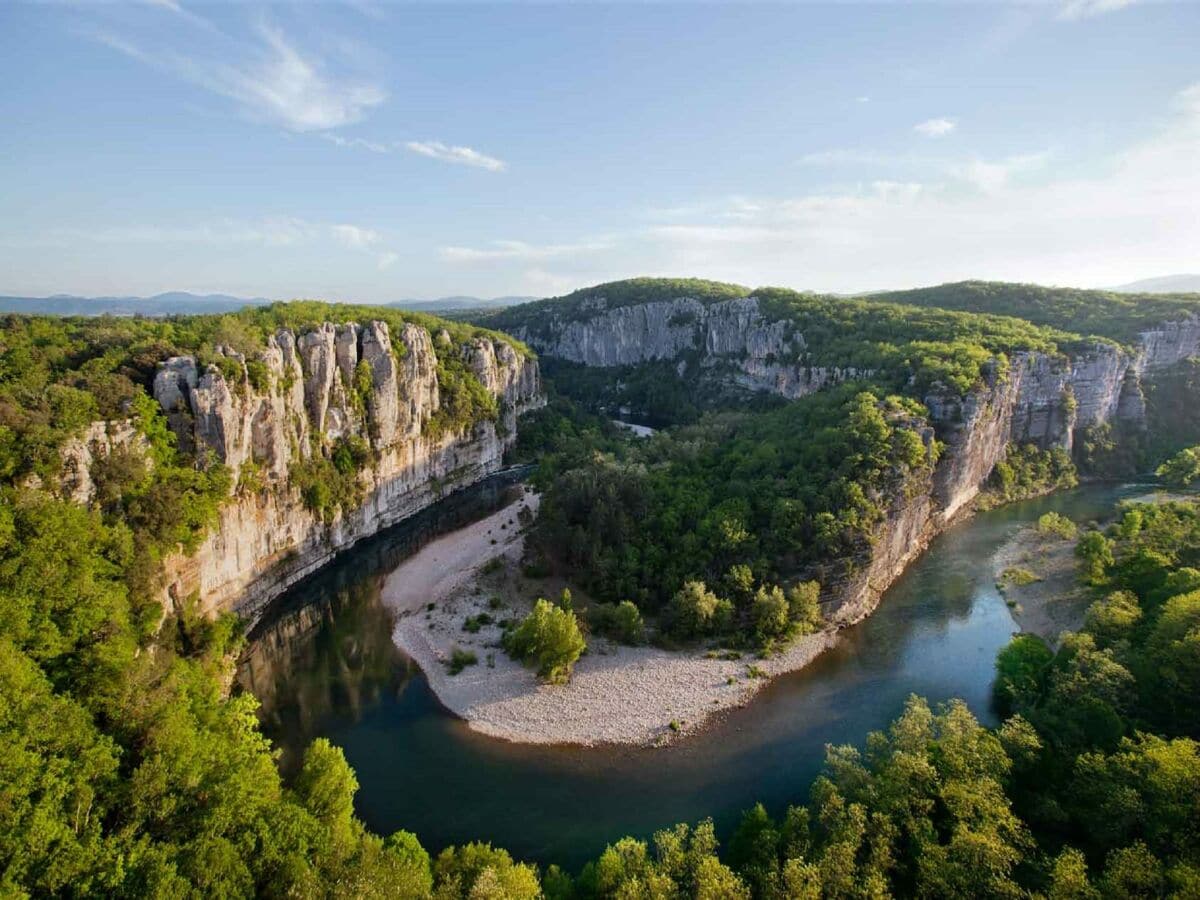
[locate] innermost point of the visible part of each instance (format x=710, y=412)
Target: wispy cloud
x=519, y=250
x=269, y=232
x=270, y=79
x=1074, y=10
x=935, y=128
x=1015, y=218
x=463, y=156
x=360, y=143
x=994, y=175
x=846, y=156
x=355, y=236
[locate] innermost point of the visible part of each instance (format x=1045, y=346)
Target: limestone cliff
x=306, y=394
x=730, y=340
x=1048, y=400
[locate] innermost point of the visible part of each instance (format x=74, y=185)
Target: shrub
x=695, y=611
x=1181, y=469
x=1018, y=576
x=459, y=660
x=804, y=607
x=474, y=623
x=621, y=621
x=550, y=639
x=1053, y=523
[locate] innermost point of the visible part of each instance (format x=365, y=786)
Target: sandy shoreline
x=618, y=695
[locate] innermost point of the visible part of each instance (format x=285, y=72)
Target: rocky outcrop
x=1058, y=397
x=81, y=454
x=304, y=395
x=730, y=341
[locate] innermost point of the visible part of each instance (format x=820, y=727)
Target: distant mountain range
x=171, y=303
x=184, y=303
x=1164, y=284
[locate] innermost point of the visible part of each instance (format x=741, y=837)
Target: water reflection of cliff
x=324, y=649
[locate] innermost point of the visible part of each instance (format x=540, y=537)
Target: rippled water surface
x=323, y=663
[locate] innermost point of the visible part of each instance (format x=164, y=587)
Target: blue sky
x=383, y=151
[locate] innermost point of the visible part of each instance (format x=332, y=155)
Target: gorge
x=190, y=477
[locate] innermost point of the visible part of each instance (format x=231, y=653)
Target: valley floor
x=617, y=695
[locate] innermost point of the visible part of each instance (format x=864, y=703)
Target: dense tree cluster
x=734, y=505
x=1027, y=471
x=1182, y=469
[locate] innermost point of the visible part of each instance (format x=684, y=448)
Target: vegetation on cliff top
x=1106, y=313
x=908, y=347
x=59, y=374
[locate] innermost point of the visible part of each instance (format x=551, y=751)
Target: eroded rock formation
x=301, y=396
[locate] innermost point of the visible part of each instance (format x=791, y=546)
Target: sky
x=382, y=151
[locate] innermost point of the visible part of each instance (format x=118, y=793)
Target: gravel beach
x=617, y=695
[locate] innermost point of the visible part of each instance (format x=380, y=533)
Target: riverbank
x=617, y=695
x=1037, y=576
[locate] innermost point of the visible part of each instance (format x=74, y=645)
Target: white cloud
x=361, y=143
x=500, y=250
x=386, y=260
x=271, y=231
x=863, y=99
x=992, y=176
x=1025, y=217
x=844, y=156
x=461, y=155
x=1073, y=10
x=270, y=81
x=540, y=281
x=935, y=128
x=355, y=236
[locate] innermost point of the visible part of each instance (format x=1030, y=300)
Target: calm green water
x=323, y=664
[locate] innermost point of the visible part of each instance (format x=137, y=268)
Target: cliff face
x=1046, y=400
x=730, y=340
x=304, y=395
x=1057, y=397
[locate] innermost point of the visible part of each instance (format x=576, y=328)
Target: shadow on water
x=323, y=663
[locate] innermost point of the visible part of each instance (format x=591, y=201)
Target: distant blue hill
x=184, y=303
x=171, y=303
x=1164, y=284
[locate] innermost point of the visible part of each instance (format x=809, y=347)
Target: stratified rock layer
x=324, y=386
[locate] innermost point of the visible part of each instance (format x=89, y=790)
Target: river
x=322, y=663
